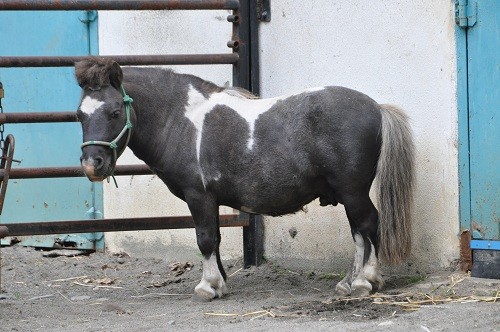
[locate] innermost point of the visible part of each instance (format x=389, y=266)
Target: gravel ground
x=99, y=291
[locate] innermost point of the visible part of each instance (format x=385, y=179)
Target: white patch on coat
x=198, y=107
x=359, y=254
x=89, y=105
x=212, y=284
x=249, y=109
x=196, y=114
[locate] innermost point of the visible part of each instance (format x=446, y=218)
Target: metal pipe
x=124, y=60
x=70, y=172
x=116, y=4
x=115, y=225
x=37, y=117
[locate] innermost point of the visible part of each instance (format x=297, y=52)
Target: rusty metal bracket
x=5, y=166
x=264, y=10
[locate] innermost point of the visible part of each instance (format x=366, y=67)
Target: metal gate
x=244, y=60
x=47, y=144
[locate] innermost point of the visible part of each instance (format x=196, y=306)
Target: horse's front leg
x=205, y=214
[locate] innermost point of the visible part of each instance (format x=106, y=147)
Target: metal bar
x=117, y=4
x=37, y=117
x=253, y=241
x=253, y=235
x=254, y=61
x=68, y=172
x=241, y=34
x=465, y=251
x=485, y=244
x=114, y=225
x=124, y=60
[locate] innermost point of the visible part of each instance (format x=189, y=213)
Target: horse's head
x=106, y=116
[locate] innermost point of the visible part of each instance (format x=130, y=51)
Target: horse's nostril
x=98, y=162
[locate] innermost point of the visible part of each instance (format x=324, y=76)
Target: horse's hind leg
x=205, y=214
x=364, y=275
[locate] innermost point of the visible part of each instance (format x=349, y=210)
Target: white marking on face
x=89, y=105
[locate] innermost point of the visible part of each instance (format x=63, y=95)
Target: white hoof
x=361, y=287
x=207, y=291
x=343, y=288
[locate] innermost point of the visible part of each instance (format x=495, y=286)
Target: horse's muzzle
x=88, y=166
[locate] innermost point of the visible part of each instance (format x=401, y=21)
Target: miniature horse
x=222, y=146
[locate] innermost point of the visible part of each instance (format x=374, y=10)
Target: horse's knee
x=207, y=241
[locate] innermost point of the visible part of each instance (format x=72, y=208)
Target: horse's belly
x=276, y=202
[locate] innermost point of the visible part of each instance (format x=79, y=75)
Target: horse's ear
x=115, y=75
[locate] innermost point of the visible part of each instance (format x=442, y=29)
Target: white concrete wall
x=399, y=52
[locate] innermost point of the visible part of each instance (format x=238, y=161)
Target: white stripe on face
x=89, y=105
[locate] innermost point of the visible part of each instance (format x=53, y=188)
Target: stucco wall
x=399, y=52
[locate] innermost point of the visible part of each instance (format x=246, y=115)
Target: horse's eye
x=115, y=114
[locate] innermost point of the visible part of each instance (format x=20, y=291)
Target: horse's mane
x=93, y=73
x=240, y=92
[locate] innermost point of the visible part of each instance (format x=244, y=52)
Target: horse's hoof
x=361, y=288
x=201, y=298
x=204, y=292
x=343, y=289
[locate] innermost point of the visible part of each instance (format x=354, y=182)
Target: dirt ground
x=97, y=291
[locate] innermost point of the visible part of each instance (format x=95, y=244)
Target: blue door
x=483, y=76
x=47, y=33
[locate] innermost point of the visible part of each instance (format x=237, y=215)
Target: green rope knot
x=113, y=145
x=127, y=99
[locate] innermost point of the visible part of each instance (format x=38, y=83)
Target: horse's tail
x=395, y=173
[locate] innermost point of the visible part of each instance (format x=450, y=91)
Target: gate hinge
x=92, y=213
x=465, y=13
x=88, y=16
